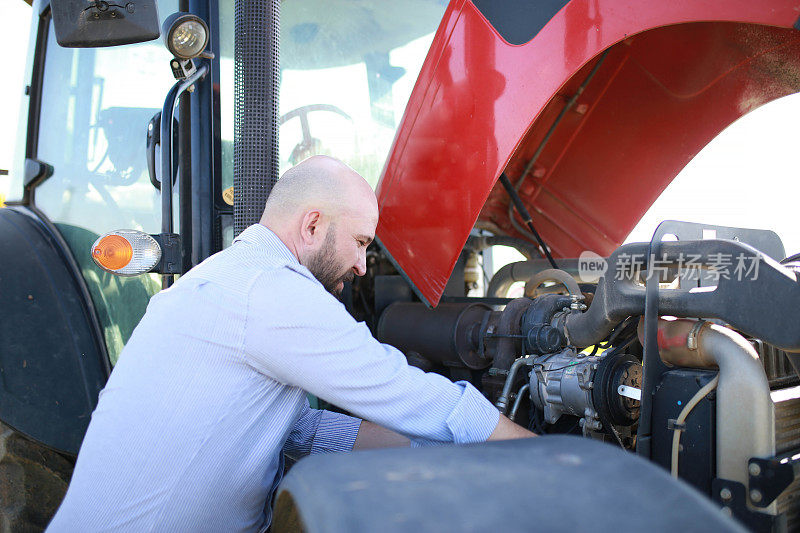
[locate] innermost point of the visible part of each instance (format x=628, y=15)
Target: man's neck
x=285, y=239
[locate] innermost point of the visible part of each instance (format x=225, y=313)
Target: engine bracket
x=771, y=476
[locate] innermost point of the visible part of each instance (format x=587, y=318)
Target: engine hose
x=502, y=401
x=521, y=394
x=653, y=368
x=552, y=274
x=684, y=414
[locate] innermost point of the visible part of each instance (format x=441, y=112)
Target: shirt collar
x=275, y=251
x=265, y=238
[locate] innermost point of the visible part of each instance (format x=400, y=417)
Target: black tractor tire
x=33, y=481
x=554, y=483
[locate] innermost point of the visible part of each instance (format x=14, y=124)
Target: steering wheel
x=309, y=145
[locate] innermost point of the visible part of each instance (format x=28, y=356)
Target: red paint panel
x=597, y=179
x=481, y=106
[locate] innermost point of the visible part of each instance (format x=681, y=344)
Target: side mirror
x=86, y=24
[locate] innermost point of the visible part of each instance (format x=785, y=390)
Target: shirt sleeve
x=299, y=334
x=319, y=431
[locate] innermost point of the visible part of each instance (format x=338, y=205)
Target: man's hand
x=506, y=429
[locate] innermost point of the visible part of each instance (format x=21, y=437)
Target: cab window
x=347, y=71
x=93, y=122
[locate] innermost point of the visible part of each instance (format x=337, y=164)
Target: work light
x=185, y=35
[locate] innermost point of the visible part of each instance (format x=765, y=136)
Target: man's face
x=342, y=254
x=327, y=267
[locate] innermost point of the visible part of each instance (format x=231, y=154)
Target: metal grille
x=787, y=438
x=779, y=370
x=255, y=127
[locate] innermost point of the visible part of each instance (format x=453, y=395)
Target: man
x=211, y=387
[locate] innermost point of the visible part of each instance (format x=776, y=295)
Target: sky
x=748, y=176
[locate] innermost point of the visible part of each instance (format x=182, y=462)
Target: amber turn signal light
x=112, y=252
x=126, y=252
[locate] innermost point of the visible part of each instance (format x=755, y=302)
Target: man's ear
x=309, y=227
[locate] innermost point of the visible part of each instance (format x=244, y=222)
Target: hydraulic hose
x=502, y=401
x=520, y=395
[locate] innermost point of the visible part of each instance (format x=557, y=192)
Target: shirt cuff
x=336, y=433
x=474, y=418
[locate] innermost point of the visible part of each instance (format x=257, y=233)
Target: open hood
x=647, y=84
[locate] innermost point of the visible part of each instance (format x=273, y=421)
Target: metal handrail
x=167, y=114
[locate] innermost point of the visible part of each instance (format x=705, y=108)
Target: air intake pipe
x=255, y=115
x=745, y=412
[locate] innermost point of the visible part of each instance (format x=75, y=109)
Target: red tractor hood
x=645, y=84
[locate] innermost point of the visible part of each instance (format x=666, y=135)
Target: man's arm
x=507, y=430
x=320, y=431
x=371, y=436
x=374, y=436
x=301, y=336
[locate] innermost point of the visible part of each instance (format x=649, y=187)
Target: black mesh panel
x=255, y=130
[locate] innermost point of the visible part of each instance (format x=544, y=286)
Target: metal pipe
x=523, y=271
x=521, y=394
x=745, y=412
x=552, y=274
x=509, y=325
x=748, y=305
x=502, y=401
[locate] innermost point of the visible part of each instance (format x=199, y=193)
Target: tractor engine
x=589, y=390
x=700, y=379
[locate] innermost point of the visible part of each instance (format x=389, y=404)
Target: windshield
x=347, y=70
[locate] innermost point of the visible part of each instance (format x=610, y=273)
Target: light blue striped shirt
x=188, y=432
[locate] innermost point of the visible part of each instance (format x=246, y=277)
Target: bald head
x=326, y=214
x=319, y=182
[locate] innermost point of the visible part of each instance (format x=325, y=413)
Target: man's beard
x=324, y=267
